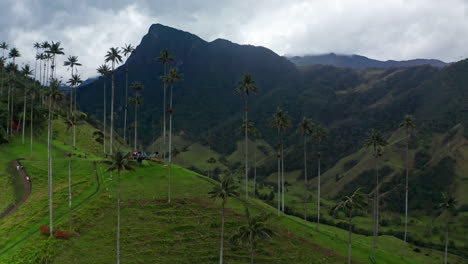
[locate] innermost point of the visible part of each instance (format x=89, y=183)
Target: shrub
x=59, y=234
x=45, y=230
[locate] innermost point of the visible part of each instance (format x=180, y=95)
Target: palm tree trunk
x=170, y=147
x=222, y=237
x=105, y=116
x=246, y=150
x=282, y=176
x=251, y=253
x=31, y=125
x=406, y=187
x=279, y=172
x=49, y=144
x=446, y=242
x=126, y=105
x=112, y=112
x=8, y=116
x=24, y=113
x=164, y=118
x=136, y=125
x=305, y=177
x=255, y=169
x=74, y=121
x=12, y=105
x=118, y=217
x=349, y=237
x=374, y=247
x=318, y=186
x=70, y=187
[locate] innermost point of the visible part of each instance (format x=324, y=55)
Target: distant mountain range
x=360, y=62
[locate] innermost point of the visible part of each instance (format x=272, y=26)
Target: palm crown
x=26, y=70
x=75, y=80
x=71, y=62
x=376, y=141
x=103, y=70
x=224, y=190
x=119, y=162
x=166, y=57
x=114, y=56
x=14, y=53
x=281, y=119
x=127, y=50
x=306, y=127
x=246, y=86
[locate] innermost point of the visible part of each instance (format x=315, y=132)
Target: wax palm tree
x=45, y=46
x=349, y=204
x=69, y=124
x=74, y=81
x=119, y=163
x=376, y=141
x=72, y=63
x=54, y=50
x=113, y=56
x=137, y=88
x=166, y=58
x=4, y=47
x=246, y=87
x=54, y=96
x=26, y=72
x=305, y=129
x=255, y=230
x=223, y=191
x=281, y=121
x=104, y=71
x=127, y=51
x=13, y=54
x=319, y=134
x=448, y=207
x=173, y=77
x=408, y=125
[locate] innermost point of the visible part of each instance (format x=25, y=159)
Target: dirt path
x=27, y=189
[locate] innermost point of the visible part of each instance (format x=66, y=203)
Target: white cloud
x=385, y=29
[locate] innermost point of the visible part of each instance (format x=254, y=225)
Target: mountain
x=360, y=62
x=348, y=102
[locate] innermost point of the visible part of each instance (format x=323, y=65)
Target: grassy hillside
x=153, y=231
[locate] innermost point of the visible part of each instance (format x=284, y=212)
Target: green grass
x=185, y=231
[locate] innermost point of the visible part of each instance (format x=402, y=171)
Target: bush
x=59, y=234
x=44, y=229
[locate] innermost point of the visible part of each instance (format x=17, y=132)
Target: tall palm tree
x=127, y=51
x=4, y=47
x=408, y=125
x=113, y=56
x=54, y=50
x=166, y=58
x=223, y=191
x=173, y=77
x=350, y=204
x=119, y=162
x=37, y=46
x=448, y=207
x=104, y=71
x=376, y=141
x=54, y=96
x=136, y=87
x=69, y=124
x=257, y=135
x=245, y=87
x=255, y=230
x=74, y=81
x=319, y=134
x=13, y=54
x=44, y=46
x=305, y=129
x=72, y=63
x=26, y=72
x=281, y=121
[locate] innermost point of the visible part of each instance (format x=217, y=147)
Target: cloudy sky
x=383, y=29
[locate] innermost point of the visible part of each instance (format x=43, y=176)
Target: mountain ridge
x=360, y=62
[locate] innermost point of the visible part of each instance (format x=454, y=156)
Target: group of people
x=139, y=156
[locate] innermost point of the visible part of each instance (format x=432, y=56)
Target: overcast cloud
x=383, y=29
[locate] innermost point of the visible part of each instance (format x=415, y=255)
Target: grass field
x=153, y=231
